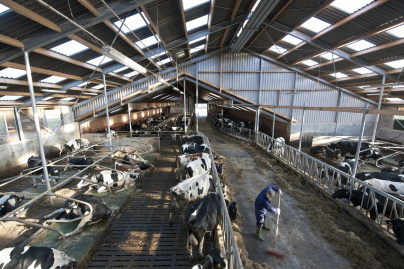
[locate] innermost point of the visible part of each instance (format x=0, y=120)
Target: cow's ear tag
x=219, y=265
x=20, y=199
x=2, y=206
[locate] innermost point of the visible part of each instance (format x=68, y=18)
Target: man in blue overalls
x=262, y=204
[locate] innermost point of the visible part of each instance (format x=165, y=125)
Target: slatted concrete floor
x=141, y=236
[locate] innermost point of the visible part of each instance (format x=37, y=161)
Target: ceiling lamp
x=122, y=59
x=3, y=87
x=56, y=91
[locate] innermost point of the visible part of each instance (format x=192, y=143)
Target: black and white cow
x=398, y=229
x=9, y=203
x=35, y=257
x=183, y=160
x=134, y=159
x=318, y=150
x=110, y=178
x=192, y=139
x=76, y=144
x=219, y=168
x=202, y=217
x=380, y=175
x=346, y=167
x=198, y=167
x=75, y=210
x=189, y=190
x=78, y=162
x=191, y=148
x=232, y=209
x=214, y=260
x=386, y=185
x=34, y=162
x=367, y=150
x=277, y=148
x=369, y=201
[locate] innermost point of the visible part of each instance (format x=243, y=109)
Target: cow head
x=341, y=193
x=219, y=168
x=9, y=203
x=398, y=229
x=73, y=209
x=232, y=209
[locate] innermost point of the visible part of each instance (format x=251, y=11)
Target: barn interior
x=313, y=72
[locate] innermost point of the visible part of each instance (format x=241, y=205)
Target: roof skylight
x=52, y=79
x=147, y=42
x=338, y=75
x=131, y=74
x=309, y=62
x=350, y=6
x=255, y=6
x=10, y=98
x=69, y=48
x=360, y=45
x=82, y=84
x=131, y=23
x=196, y=49
x=164, y=61
x=67, y=99
x=197, y=40
x=362, y=70
x=3, y=8
x=396, y=64
x=97, y=61
x=329, y=56
x=277, y=49
x=12, y=73
x=315, y=25
x=197, y=23
x=394, y=99
x=121, y=69
x=292, y=40
x=98, y=87
x=47, y=98
x=192, y=3
x=158, y=55
x=397, y=31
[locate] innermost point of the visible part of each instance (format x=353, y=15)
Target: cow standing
x=184, y=159
x=197, y=167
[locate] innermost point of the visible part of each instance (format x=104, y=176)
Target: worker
x=262, y=204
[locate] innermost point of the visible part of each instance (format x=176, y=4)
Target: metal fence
x=329, y=178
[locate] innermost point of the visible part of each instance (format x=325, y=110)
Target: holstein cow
x=78, y=162
x=35, y=257
x=189, y=190
x=9, y=203
x=231, y=209
x=346, y=167
x=214, y=260
x=202, y=217
x=277, y=147
x=369, y=201
x=75, y=210
x=380, y=175
x=184, y=159
x=126, y=167
x=197, y=167
x=133, y=159
x=386, y=185
x=191, y=148
x=367, y=150
x=192, y=139
x=76, y=144
x=34, y=162
x=318, y=150
x=398, y=229
x=116, y=179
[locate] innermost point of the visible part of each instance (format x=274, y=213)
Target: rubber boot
x=258, y=233
x=266, y=227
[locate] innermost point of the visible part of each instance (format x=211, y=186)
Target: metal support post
x=273, y=124
x=378, y=107
x=130, y=121
x=197, y=100
x=106, y=112
x=37, y=127
x=358, y=149
x=301, y=128
x=185, y=111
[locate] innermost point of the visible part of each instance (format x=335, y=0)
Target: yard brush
x=274, y=251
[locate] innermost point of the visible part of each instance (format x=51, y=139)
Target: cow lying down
x=109, y=179
x=134, y=159
x=78, y=163
x=9, y=203
x=35, y=257
x=75, y=211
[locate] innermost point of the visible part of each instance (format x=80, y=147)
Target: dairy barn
x=142, y=133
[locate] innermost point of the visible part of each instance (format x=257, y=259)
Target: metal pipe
x=106, y=112
x=185, y=111
x=130, y=121
x=378, y=107
x=36, y=120
x=360, y=139
x=197, y=100
x=273, y=124
x=301, y=127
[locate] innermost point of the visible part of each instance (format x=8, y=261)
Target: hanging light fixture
x=122, y=59
x=3, y=87
x=55, y=91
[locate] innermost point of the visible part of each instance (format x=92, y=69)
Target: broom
x=274, y=250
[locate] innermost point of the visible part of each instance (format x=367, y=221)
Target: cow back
x=203, y=214
x=193, y=188
x=100, y=210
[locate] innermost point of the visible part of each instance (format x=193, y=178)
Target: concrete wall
x=16, y=154
x=385, y=130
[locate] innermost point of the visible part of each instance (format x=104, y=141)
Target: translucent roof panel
x=197, y=23
x=192, y=3
x=131, y=74
x=3, y=8
x=158, y=55
x=69, y=48
x=198, y=39
x=360, y=45
x=164, y=61
x=362, y=70
x=131, y=23
x=67, y=99
x=394, y=99
x=98, y=87
x=10, y=98
x=277, y=49
x=338, y=75
x=397, y=31
x=396, y=64
x=255, y=6
x=12, y=73
x=292, y=40
x=121, y=69
x=97, y=61
x=329, y=56
x=47, y=98
x=147, y=42
x=201, y=47
x=53, y=79
x=83, y=84
x=309, y=62
x=315, y=25
x=350, y=6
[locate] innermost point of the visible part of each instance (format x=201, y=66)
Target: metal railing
x=327, y=177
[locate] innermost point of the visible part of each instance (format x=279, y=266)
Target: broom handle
x=277, y=221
